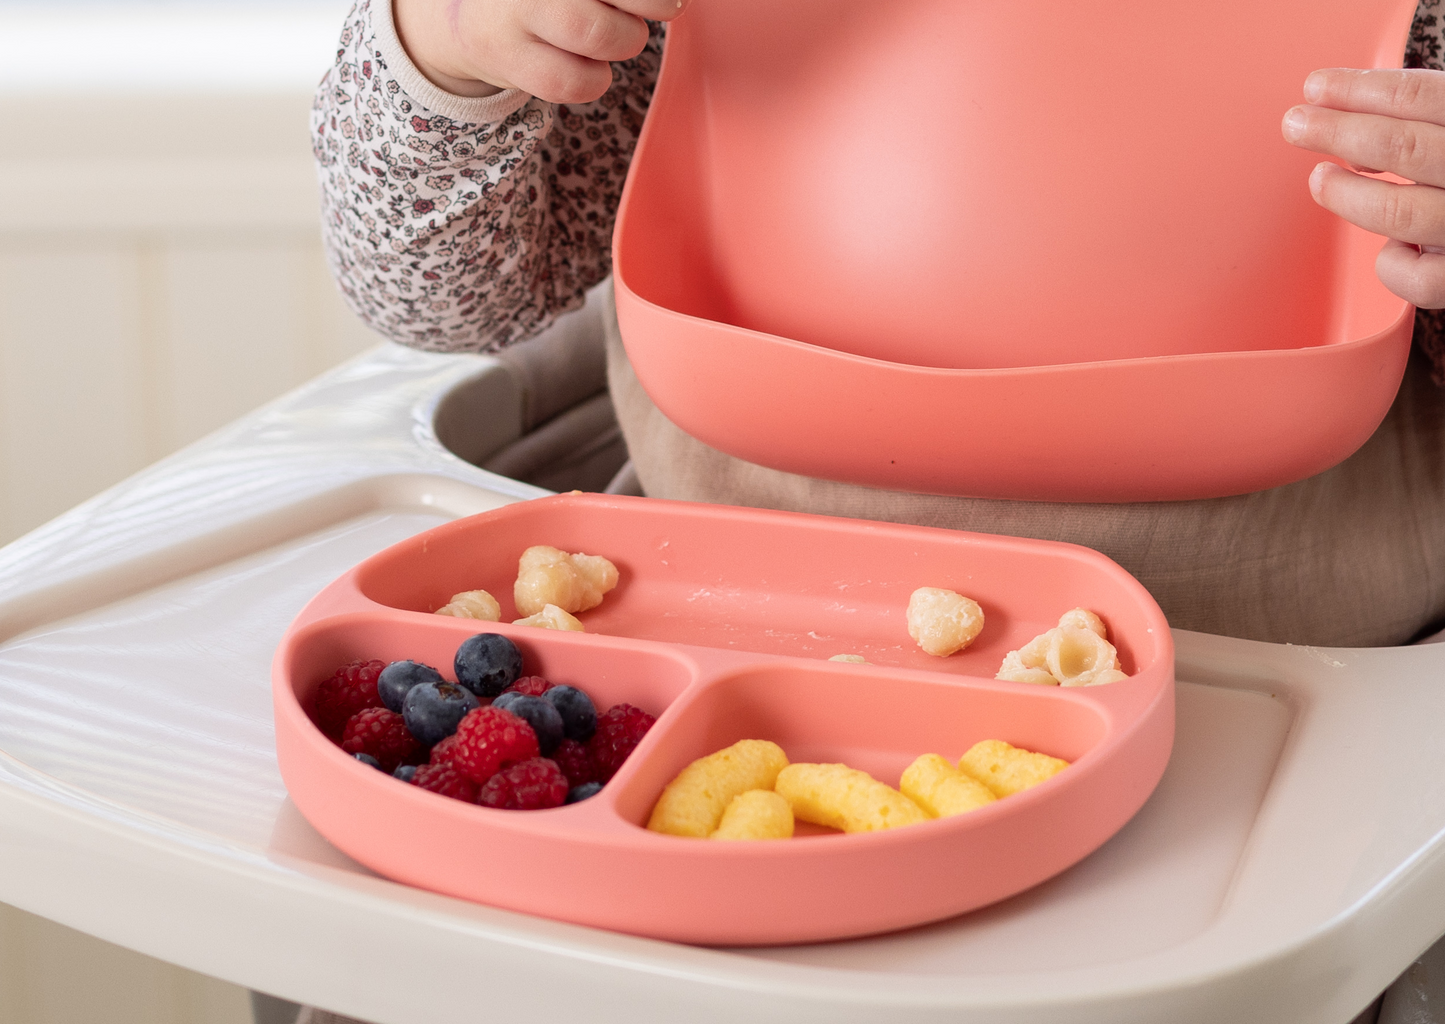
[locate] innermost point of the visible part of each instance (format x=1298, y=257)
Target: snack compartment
x=787, y=890
x=877, y=723
x=774, y=583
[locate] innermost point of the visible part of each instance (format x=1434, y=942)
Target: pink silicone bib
x=1028, y=250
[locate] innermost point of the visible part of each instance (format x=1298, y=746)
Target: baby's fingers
x=565, y=50
x=1414, y=94
x=1409, y=213
x=557, y=75
x=1417, y=277
x=1411, y=149
x=588, y=28
x=652, y=10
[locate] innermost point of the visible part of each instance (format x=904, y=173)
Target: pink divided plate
x=720, y=627
x=1051, y=250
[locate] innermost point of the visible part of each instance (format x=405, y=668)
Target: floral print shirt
x=462, y=225
x=459, y=224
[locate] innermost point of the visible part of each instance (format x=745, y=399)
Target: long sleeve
x=1427, y=39
x=1426, y=34
x=459, y=224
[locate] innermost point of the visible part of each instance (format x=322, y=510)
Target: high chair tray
x=721, y=626
x=1267, y=880
x=939, y=250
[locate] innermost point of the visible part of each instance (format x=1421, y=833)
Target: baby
x=1377, y=121
x=472, y=156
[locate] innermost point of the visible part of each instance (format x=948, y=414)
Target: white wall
x=160, y=274
x=160, y=269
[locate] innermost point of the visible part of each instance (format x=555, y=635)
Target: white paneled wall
x=155, y=283
x=160, y=274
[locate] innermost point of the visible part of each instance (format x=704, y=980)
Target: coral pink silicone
x=720, y=626
x=1054, y=251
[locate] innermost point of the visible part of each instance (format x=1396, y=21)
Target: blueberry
x=432, y=710
x=540, y=715
x=579, y=714
x=399, y=677
x=404, y=772
x=488, y=663
x=503, y=699
x=367, y=759
x=579, y=793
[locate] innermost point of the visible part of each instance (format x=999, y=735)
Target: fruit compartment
x=773, y=583
x=646, y=676
x=324, y=779
x=833, y=713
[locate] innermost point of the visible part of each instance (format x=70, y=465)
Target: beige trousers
x=1353, y=557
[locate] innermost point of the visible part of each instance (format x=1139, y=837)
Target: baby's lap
x=1354, y=556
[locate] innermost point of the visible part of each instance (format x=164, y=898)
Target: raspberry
x=442, y=752
x=446, y=780
x=382, y=734
x=619, y=730
x=532, y=686
x=575, y=762
x=350, y=689
x=530, y=785
x=489, y=738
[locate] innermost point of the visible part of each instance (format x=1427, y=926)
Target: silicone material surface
x=1049, y=251
x=721, y=626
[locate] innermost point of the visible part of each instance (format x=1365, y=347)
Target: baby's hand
x=1383, y=121
x=557, y=50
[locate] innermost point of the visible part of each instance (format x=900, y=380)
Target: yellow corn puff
x=844, y=798
x=941, y=789
x=693, y=803
x=1006, y=769
x=756, y=814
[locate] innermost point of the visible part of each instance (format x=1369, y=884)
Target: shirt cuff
x=463, y=109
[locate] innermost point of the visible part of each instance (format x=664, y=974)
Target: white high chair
x=1289, y=867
